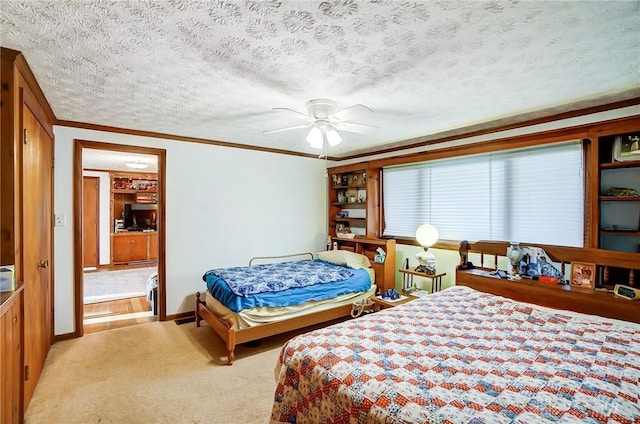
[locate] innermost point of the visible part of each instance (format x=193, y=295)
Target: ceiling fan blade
x=298, y=114
x=352, y=112
x=356, y=128
x=286, y=129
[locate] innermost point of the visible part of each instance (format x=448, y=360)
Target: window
x=533, y=195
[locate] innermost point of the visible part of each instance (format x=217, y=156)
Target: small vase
x=515, y=254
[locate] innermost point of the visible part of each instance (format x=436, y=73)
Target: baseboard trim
x=62, y=337
x=181, y=315
x=69, y=336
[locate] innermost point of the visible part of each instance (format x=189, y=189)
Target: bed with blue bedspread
x=283, y=284
x=247, y=303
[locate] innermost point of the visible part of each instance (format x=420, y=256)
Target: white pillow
x=344, y=258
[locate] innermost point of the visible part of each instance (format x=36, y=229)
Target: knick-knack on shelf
x=515, y=253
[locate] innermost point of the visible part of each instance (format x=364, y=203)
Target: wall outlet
x=60, y=220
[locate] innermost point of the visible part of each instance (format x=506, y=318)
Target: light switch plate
x=60, y=220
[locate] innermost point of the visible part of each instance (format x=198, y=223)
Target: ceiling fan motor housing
x=321, y=108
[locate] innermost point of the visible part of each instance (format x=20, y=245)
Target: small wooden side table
x=436, y=279
x=384, y=303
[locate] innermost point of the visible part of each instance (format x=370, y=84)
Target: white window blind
x=530, y=196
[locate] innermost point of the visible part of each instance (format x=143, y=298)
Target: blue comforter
x=244, y=280
x=359, y=281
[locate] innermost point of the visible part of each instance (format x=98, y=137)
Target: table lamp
x=426, y=235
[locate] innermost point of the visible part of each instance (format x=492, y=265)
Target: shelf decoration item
x=621, y=191
x=515, y=254
x=583, y=274
x=626, y=148
x=536, y=263
x=427, y=236
x=7, y=278
x=380, y=256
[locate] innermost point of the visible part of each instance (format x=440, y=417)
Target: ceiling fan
x=324, y=122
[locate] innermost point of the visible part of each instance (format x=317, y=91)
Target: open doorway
x=119, y=235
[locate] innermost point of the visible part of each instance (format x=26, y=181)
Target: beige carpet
x=157, y=372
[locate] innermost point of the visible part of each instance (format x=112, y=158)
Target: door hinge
x=24, y=135
x=26, y=373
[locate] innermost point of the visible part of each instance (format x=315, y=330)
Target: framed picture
x=626, y=147
x=583, y=274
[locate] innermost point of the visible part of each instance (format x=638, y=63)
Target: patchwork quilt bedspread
x=462, y=356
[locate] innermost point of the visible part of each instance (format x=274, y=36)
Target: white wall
x=223, y=206
x=226, y=205
x=104, y=215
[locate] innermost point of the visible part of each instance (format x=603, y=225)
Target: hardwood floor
x=117, y=313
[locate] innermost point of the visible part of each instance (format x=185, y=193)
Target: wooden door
x=90, y=222
x=37, y=236
x=153, y=246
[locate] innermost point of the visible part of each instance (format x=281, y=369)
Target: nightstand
x=385, y=303
x=407, y=279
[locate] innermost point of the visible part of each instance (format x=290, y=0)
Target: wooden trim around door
x=161, y=154
x=96, y=223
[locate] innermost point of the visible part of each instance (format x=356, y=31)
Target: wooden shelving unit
x=354, y=189
x=135, y=246
x=619, y=216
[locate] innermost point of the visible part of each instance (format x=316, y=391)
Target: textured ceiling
x=109, y=160
x=215, y=69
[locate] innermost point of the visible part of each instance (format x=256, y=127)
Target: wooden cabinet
x=130, y=247
x=26, y=222
x=11, y=353
x=152, y=246
x=131, y=188
x=619, y=192
x=349, y=210
x=134, y=194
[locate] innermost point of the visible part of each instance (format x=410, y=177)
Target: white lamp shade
x=333, y=138
x=427, y=235
x=314, y=138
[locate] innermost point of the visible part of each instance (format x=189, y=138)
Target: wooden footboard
x=224, y=328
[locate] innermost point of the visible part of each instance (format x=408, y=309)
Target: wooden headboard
x=612, y=268
x=386, y=272
x=488, y=251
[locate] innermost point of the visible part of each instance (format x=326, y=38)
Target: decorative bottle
x=515, y=253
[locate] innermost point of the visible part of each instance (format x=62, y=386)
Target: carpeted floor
x=103, y=286
x=151, y=373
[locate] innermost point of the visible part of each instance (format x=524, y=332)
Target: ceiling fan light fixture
x=333, y=138
x=314, y=138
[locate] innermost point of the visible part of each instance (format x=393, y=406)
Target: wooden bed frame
x=612, y=267
x=385, y=279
